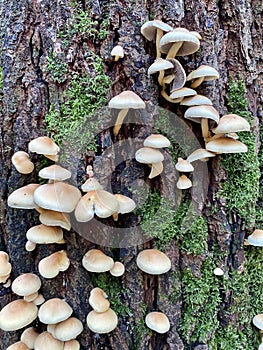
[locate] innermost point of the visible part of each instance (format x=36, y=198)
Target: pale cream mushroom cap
x=125, y=100
x=54, y=310
x=156, y=141
x=226, y=145
x=17, y=314
x=258, y=321
x=118, y=52
x=58, y=196
x=96, y=261
x=55, y=157
x=4, y=279
x=148, y=155
x=199, y=154
x=68, y=329
x=29, y=336
x=196, y=113
x=26, y=284
x=55, y=218
x=55, y=172
x=158, y=65
x=39, y=300
x=218, y=271
x=71, y=345
x=43, y=145
x=179, y=94
x=5, y=266
x=183, y=183
x=23, y=197
x=196, y=100
x=22, y=163
x=30, y=246
x=43, y=234
x=256, y=238
x=98, y=300
x=153, y=261
x=103, y=322
x=149, y=29
x=126, y=204
x=118, y=269
x=190, y=43
x=91, y=184
x=45, y=341
x=184, y=166
x=209, y=73
x=157, y=321
x=50, y=266
x=231, y=123
x=156, y=169
x=18, y=346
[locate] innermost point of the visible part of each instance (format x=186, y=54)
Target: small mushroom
x=202, y=73
x=156, y=141
x=258, y=321
x=98, y=300
x=256, y=238
x=158, y=322
x=96, y=261
x=152, y=157
x=28, y=337
x=153, y=261
x=118, y=269
x=50, y=266
x=226, y=145
x=46, y=341
x=54, y=310
x=179, y=94
x=43, y=145
x=26, y=284
x=200, y=154
x=5, y=267
x=18, y=346
x=184, y=166
x=55, y=218
x=42, y=234
x=231, y=123
x=55, y=172
x=218, y=271
x=183, y=183
x=103, y=322
x=22, y=163
x=66, y=330
x=91, y=184
x=159, y=66
x=179, y=72
x=23, y=197
x=196, y=100
x=117, y=52
x=126, y=205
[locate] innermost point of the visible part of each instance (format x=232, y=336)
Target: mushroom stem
x=205, y=128
x=160, y=78
x=168, y=79
x=174, y=49
x=156, y=169
x=159, y=35
x=116, y=58
x=164, y=94
x=115, y=216
x=217, y=136
x=197, y=82
x=119, y=120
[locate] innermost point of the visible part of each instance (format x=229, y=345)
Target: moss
x=56, y=68
x=140, y=329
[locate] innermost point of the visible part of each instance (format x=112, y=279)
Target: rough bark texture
x=232, y=43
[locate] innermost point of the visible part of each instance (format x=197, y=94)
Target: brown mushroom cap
x=256, y=238
x=226, y=145
x=26, y=284
x=153, y=261
x=45, y=341
x=55, y=218
x=149, y=29
x=68, y=329
x=55, y=172
x=43, y=234
x=148, y=155
x=22, y=163
x=28, y=337
x=58, y=196
x=54, y=310
x=18, y=346
x=43, y=145
x=258, y=321
x=118, y=269
x=184, y=166
x=183, y=183
x=103, y=322
x=50, y=266
x=231, y=123
x=157, y=321
x=96, y=261
x=98, y=300
x=17, y=314
x=156, y=141
x=23, y=197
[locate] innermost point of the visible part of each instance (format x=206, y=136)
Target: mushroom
x=183, y=183
x=18, y=346
x=54, y=310
x=184, y=166
x=22, y=163
x=98, y=300
x=156, y=141
x=231, y=123
x=179, y=73
x=196, y=100
x=179, y=42
x=66, y=330
x=256, y=238
x=39, y=300
x=27, y=286
x=179, y=94
x=117, y=52
x=157, y=321
x=202, y=73
x=43, y=145
x=103, y=322
x=153, y=261
x=258, y=321
x=226, y=145
x=159, y=66
x=124, y=101
x=126, y=205
x=46, y=341
x=23, y=197
x=91, y=184
x=152, y=157
x=118, y=269
x=5, y=267
x=50, y=266
x=17, y=314
x=71, y=345
x=200, y=154
x=218, y=271
x=55, y=218
x=154, y=30
x=55, y=172
x=42, y=234
x=28, y=337
x=96, y=261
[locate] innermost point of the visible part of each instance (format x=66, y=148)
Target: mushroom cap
x=153, y=261
x=183, y=183
x=156, y=169
x=184, y=166
x=179, y=72
x=117, y=51
x=22, y=163
x=18, y=346
x=43, y=234
x=96, y=261
x=43, y=145
x=182, y=92
x=26, y=284
x=23, y=197
x=256, y=238
x=58, y=196
x=148, y=155
x=149, y=29
x=208, y=72
x=28, y=337
x=157, y=321
x=231, y=123
x=196, y=113
x=50, y=266
x=98, y=300
x=55, y=218
x=100, y=202
x=258, y=321
x=55, y=157
x=127, y=99
x=199, y=154
x=39, y=300
x=158, y=65
x=126, y=204
x=118, y=269
x=5, y=266
x=196, y=100
x=226, y=145
x=17, y=314
x=103, y=322
x=71, y=345
x=46, y=341
x=54, y=310
x=91, y=184
x=67, y=330
x=156, y=141
x=55, y=172
x=218, y=272
x=190, y=42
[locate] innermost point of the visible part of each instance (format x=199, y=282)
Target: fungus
x=179, y=94
x=226, y=145
x=28, y=337
x=22, y=163
x=159, y=66
x=96, y=261
x=98, y=300
x=258, y=321
x=5, y=267
x=55, y=218
x=18, y=346
x=124, y=101
x=71, y=345
x=26, y=285
x=179, y=74
x=184, y=166
x=23, y=197
x=157, y=321
x=66, y=330
x=55, y=172
x=231, y=123
x=91, y=184
x=46, y=341
x=256, y=238
x=54, y=310
x=103, y=322
x=196, y=100
x=218, y=272
x=43, y=145
x=152, y=157
x=202, y=73
x=200, y=154
x=153, y=261
x=118, y=269
x=39, y=300
x=42, y=234
x=126, y=205
x=183, y=183
x=50, y=266
x=156, y=141
x=117, y=52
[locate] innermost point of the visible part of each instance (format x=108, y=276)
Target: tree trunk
x=52, y=80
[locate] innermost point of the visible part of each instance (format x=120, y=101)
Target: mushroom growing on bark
x=202, y=73
x=117, y=52
x=50, y=266
x=96, y=261
x=5, y=267
x=54, y=310
x=22, y=163
x=98, y=300
x=103, y=322
x=159, y=66
x=153, y=261
x=157, y=321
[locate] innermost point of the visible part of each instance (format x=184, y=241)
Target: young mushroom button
x=98, y=300
x=22, y=163
x=158, y=322
x=117, y=52
x=202, y=73
x=18, y=346
x=54, y=310
x=96, y=261
x=103, y=322
x=153, y=261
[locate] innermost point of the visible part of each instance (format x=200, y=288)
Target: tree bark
x=232, y=43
